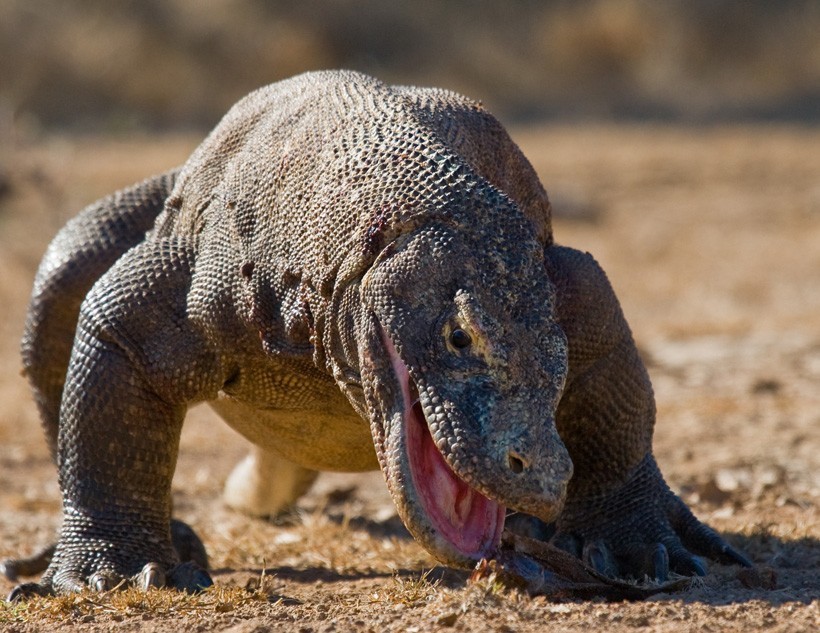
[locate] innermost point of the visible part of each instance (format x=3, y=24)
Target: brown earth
x=711, y=237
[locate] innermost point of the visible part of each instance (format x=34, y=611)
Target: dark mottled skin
x=328, y=225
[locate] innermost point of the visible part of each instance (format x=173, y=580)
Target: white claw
x=103, y=581
x=152, y=575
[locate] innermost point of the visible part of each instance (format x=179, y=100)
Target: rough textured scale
x=353, y=275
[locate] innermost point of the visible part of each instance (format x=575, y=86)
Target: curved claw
x=105, y=580
x=731, y=556
x=597, y=555
x=152, y=575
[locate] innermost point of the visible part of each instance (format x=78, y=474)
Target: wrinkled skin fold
x=353, y=276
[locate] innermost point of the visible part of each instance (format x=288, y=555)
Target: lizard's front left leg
x=136, y=364
x=620, y=514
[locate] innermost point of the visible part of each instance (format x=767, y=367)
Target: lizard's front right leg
x=136, y=364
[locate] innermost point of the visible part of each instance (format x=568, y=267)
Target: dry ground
x=711, y=238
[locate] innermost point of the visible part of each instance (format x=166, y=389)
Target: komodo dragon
x=352, y=275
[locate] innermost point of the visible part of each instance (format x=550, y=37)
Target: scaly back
x=334, y=156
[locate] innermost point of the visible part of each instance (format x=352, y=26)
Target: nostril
x=516, y=463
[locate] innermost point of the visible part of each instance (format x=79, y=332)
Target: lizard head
x=462, y=366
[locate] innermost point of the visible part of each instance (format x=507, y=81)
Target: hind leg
x=265, y=484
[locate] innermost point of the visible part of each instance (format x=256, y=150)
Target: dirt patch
x=711, y=238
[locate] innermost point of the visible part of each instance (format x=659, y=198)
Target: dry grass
x=120, y=604
x=409, y=590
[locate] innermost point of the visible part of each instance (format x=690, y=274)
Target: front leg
x=620, y=515
x=136, y=364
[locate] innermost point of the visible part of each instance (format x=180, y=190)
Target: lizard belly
x=318, y=439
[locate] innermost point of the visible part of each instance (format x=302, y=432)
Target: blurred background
x=119, y=65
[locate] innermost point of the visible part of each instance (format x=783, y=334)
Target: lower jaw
x=466, y=526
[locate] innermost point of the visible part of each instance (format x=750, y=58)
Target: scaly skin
x=353, y=275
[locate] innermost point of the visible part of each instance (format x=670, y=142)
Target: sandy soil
x=711, y=237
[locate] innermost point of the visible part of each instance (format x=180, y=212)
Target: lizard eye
x=460, y=339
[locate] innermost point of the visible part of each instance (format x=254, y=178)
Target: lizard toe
x=105, y=580
x=700, y=538
x=189, y=577
x=27, y=590
x=645, y=560
x=685, y=563
x=188, y=545
x=598, y=555
x=10, y=569
x=658, y=558
x=65, y=582
x=13, y=568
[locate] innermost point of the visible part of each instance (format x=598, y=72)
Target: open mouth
x=469, y=523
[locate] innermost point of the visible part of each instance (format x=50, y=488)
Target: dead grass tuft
x=409, y=590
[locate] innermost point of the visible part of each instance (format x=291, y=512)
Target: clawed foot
x=188, y=577
x=543, y=569
x=641, y=530
x=62, y=576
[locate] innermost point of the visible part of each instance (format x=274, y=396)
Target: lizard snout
x=533, y=472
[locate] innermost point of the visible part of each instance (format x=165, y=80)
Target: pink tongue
x=463, y=516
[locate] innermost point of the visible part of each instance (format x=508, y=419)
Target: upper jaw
x=450, y=518
x=522, y=465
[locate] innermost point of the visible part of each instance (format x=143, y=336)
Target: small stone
x=710, y=492
x=767, y=386
x=448, y=619
x=757, y=577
